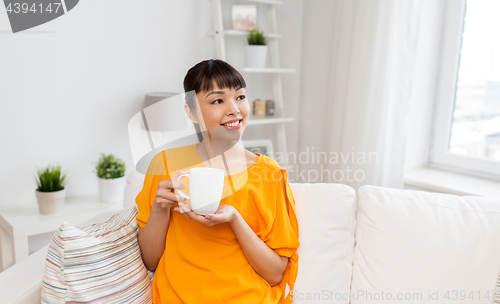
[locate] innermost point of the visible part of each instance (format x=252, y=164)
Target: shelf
x=242, y=33
x=265, y=70
x=258, y=1
x=257, y=120
x=219, y=34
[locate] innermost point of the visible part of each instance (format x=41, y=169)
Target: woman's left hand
x=224, y=214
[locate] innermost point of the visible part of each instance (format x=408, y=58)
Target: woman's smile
x=234, y=124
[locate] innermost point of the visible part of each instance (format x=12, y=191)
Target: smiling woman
x=246, y=252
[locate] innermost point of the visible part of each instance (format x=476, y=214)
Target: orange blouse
x=205, y=264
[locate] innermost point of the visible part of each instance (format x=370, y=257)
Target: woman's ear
x=190, y=114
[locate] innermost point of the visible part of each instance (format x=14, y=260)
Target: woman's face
x=220, y=107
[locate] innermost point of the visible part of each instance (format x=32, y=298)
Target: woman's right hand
x=165, y=193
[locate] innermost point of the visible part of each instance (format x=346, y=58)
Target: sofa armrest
x=22, y=282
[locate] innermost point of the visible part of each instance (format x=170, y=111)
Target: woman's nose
x=232, y=108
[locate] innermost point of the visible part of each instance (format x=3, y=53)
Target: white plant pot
x=50, y=202
x=256, y=56
x=112, y=190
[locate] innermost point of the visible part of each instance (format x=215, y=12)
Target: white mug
x=205, y=189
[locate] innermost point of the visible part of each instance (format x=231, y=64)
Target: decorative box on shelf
x=278, y=117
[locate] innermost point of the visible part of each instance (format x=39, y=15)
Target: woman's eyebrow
x=215, y=92
x=221, y=92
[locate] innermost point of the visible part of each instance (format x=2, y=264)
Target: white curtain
x=374, y=46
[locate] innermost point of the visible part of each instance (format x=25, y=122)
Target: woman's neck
x=227, y=155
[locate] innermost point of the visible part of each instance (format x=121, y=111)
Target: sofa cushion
x=425, y=247
x=97, y=263
x=326, y=214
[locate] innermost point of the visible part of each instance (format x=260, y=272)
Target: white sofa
x=411, y=246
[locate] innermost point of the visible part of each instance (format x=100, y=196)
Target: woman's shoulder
x=172, y=159
x=267, y=169
x=180, y=151
x=270, y=162
x=174, y=152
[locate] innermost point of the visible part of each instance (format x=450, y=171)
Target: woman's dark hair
x=202, y=76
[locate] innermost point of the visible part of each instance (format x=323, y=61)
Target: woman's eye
x=241, y=97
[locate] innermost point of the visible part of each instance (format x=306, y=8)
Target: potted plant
x=111, y=176
x=256, y=52
x=50, y=192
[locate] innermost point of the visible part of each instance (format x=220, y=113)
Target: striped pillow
x=97, y=263
x=497, y=292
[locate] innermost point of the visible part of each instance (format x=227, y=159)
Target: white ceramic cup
x=205, y=189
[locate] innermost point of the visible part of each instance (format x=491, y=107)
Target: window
x=467, y=120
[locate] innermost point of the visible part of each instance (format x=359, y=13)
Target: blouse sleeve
x=157, y=171
x=283, y=237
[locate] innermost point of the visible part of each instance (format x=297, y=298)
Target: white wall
x=68, y=93
x=316, y=68
x=69, y=87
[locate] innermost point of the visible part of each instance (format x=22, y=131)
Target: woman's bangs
x=223, y=78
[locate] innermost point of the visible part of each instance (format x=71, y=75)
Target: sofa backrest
x=420, y=247
x=326, y=215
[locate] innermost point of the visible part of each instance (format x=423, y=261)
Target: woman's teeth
x=232, y=124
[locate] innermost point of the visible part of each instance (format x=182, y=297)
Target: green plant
x=256, y=38
x=50, y=179
x=110, y=167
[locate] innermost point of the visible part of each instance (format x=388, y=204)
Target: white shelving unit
x=271, y=33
